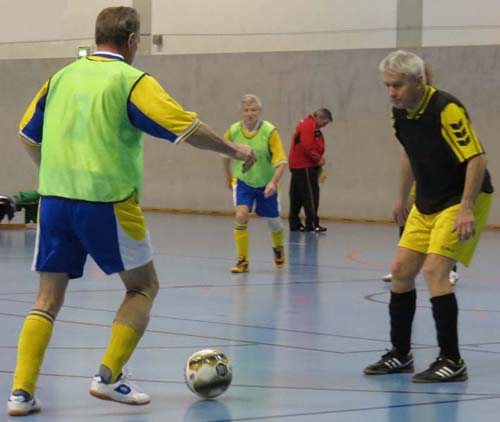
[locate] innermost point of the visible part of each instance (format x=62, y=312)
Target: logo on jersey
x=461, y=133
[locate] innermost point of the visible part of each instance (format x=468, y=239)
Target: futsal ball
x=208, y=373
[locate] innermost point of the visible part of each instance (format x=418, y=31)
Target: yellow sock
x=121, y=345
x=277, y=238
x=33, y=341
x=241, y=239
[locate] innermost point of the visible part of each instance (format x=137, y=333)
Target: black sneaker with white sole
x=391, y=363
x=443, y=370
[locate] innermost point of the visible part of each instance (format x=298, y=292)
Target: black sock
x=402, y=310
x=445, y=312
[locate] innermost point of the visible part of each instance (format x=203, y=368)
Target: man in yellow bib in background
x=84, y=128
x=258, y=188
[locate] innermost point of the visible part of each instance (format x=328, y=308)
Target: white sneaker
x=22, y=404
x=453, y=277
x=387, y=278
x=122, y=391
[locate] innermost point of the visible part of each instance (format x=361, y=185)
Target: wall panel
x=362, y=155
x=461, y=22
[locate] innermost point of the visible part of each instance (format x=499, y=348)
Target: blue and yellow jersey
x=150, y=108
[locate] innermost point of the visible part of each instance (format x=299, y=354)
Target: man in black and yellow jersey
x=443, y=155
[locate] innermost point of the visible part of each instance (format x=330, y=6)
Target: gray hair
x=404, y=62
x=251, y=98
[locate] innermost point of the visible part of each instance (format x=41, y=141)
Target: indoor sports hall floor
x=298, y=337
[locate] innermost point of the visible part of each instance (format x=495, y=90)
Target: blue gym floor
x=298, y=337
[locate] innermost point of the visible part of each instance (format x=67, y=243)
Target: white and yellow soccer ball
x=208, y=373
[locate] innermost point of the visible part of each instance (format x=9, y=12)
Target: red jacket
x=307, y=146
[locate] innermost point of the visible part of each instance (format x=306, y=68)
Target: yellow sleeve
x=227, y=136
x=31, y=124
x=155, y=112
x=278, y=155
x=459, y=133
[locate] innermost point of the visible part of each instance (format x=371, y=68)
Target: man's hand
x=400, y=213
x=465, y=224
x=322, y=175
x=205, y=138
x=245, y=154
x=270, y=189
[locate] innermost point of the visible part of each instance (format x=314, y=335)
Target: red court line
x=351, y=256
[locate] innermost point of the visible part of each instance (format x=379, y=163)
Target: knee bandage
x=275, y=224
x=134, y=310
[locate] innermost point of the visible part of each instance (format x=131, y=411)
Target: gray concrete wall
x=56, y=28
x=362, y=155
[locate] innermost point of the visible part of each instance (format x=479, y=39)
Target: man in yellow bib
x=443, y=155
x=258, y=188
x=84, y=128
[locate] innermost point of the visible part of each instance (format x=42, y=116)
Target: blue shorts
x=244, y=194
x=113, y=234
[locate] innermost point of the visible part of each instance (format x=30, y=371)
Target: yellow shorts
x=433, y=233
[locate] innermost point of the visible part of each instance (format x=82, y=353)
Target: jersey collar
x=108, y=55
x=422, y=105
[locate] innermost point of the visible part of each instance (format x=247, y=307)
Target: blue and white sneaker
x=21, y=404
x=122, y=391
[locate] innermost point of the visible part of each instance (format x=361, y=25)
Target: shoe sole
x=239, y=271
x=21, y=412
x=460, y=378
x=389, y=372
x=280, y=264
x=100, y=396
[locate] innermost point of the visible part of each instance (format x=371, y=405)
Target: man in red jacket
x=305, y=161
